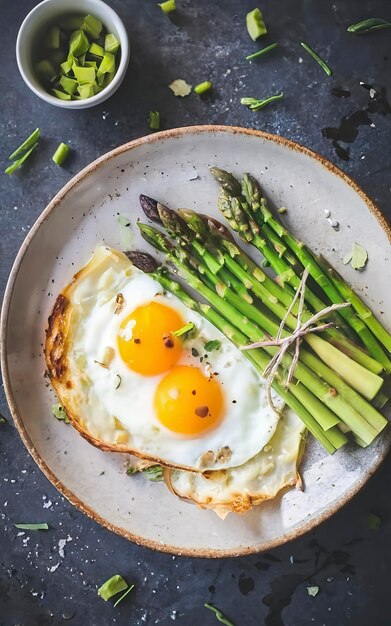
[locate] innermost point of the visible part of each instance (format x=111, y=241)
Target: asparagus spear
x=362, y=310
x=319, y=388
x=262, y=215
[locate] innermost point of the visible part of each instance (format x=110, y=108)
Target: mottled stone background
x=348, y=560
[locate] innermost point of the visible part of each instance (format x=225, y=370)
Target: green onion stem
x=260, y=53
x=317, y=58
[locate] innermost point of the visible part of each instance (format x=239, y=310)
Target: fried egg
x=129, y=384
x=261, y=478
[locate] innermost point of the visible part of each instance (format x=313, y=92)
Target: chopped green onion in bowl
x=78, y=58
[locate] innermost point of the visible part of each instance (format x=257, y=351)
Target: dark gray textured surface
x=349, y=561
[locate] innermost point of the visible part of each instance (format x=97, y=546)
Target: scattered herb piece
x=282, y=210
x=368, y=26
x=203, y=87
x=313, y=591
x=168, y=6
x=260, y=53
x=180, y=87
x=28, y=143
x=317, y=58
x=59, y=412
x=374, y=522
x=214, y=344
x=255, y=25
x=16, y=164
x=357, y=257
x=123, y=595
x=61, y=153
x=153, y=473
x=255, y=105
x=2, y=419
x=132, y=469
x=43, y=526
x=126, y=234
x=195, y=352
x=154, y=120
x=219, y=615
x=185, y=329
x=111, y=587
x=118, y=381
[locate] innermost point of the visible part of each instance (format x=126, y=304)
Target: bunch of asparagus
x=337, y=381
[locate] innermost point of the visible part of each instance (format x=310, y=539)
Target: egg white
x=116, y=404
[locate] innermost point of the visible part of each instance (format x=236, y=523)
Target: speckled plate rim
x=18, y=420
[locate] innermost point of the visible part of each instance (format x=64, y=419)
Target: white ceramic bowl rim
x=33, y=22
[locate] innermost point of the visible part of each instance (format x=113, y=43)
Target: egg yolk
x=145, y=341
x=187, y=402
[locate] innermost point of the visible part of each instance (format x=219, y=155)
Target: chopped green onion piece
x=66, y=67
x=203, y=87
x=255, y=105
x=111, y=587
x=78, y=43
x=96, y=50
x=16, y=164
x=153, y=473
x=52, y=39
x=132, y=469
x=61, y=94
x=255, y=25
x=123, y=595
x=282, y=210
x=2, y=419
x=219, y=615
x=180, y=87
x=368, y=26
x=84, y=75
x=92, y=26
x=30, y=141
x=43, y=526
x=59, y=412
x=185, y=329
x=86, y=91
x=374, y=522
x=45, y=70
x=125, y=231
x=168, y=7
x=317, y=58
x=214, y=344
x=260, y=53
x=68, y=84
x=154, y=120
x=111, y=43
x=81, y=60
x=61, y=154
x=107, y=65
x=313, y=591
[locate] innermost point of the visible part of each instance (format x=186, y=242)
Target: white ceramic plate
x=173, y=167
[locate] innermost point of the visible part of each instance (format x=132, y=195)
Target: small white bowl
x=42, y=16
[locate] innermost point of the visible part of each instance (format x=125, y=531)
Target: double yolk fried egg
x=129, y=384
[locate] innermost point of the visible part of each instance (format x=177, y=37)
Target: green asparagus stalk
x=361, y=309
x=262, y=215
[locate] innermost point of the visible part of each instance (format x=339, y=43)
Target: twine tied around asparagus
x=284, y=343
